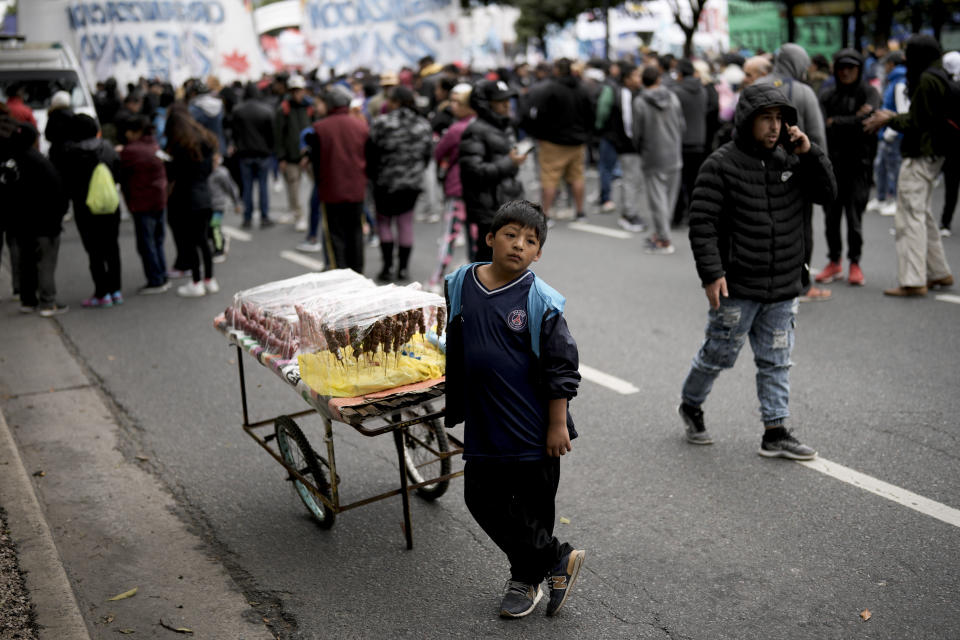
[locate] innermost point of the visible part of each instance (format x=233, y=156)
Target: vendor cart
x=423, y=446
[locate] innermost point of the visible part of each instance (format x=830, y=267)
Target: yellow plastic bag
x=102, y=196
x=349, y=377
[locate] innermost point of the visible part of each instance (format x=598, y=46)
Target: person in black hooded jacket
x=746, y=232
x=845, y=105
x=488, y=161
x=99, y=232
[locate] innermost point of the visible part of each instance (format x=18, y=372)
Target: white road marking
x=885, y=490
x=948, y=297
x=235, y=233
x=302, y=260
x=602, y=231
x=606, y=380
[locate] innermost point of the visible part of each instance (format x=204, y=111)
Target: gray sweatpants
x=632, y=192
x=663, y=187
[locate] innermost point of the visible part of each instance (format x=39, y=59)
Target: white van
x=44, y=69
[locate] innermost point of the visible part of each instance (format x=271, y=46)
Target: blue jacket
x=895, y=77
x=557, y=374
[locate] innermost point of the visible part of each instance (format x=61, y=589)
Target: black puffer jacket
x=560, y=112
x=746, y=221
x=488, y=175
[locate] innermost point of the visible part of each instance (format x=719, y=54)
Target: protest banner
x=167, y=39
x=380, y=34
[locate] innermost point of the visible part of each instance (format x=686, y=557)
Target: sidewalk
x=88, y=521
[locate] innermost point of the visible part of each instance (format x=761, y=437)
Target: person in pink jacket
x=447, y=155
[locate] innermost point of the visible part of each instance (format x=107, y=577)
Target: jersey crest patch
x=517, y=319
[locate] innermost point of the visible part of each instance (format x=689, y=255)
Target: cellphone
x=525, y=146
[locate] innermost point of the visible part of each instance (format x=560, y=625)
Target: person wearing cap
x=337, y=146
x=293, y=115
x=57, y=131
x=951, y=166
x=376, y=104
x=489, y=162
x=746, y=233
x=845, y=105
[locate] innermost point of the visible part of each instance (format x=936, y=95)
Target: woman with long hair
x=190, y=205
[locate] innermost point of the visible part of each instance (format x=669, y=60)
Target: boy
x=226, y=196
x=511, y=369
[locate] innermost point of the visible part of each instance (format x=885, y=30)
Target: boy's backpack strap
x=542, y=302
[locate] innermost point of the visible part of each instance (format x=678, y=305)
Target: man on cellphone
x=746, y=232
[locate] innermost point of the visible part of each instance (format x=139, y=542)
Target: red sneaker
x=856, y=275
x=830, y=272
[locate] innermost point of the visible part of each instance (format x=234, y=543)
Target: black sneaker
x=786, y=447
x=693, y=419
x=561, y=580
x=519, y=599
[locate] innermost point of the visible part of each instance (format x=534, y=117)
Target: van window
x=41, y=85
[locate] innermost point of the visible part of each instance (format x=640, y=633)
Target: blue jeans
x=255, y=169
x=607, y=167
x=886, y=168
x=150, y=235
x=770, y=327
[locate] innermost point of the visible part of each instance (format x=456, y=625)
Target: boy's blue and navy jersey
x=505, y=416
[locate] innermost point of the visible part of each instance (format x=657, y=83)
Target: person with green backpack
x=91, y=183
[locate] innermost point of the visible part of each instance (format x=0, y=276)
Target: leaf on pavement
x=126, y=632
x=175, y=629
x=39, y=474
x=143, y=458
x=865, y=614
x=564, y=520
x=125, y=594
x=107, y=619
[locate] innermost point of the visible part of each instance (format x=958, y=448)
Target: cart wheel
x=421, y=463
x=297, y=452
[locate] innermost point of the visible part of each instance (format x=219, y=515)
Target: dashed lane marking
x=303, y=261
x=948, y=297
x=602, y=231
x=886, y=490
x=235, y=233
x=606, y=380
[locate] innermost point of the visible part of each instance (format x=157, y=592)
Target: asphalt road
x=682, y=541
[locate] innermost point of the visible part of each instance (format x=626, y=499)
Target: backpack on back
x=102, y=196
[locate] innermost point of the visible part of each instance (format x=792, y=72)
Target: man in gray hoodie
x=658, y=128
x=790, y=75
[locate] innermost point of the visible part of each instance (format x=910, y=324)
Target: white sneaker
x=210, y=285
x=302, y=225
x=309, y=247
x=945, y=233
x=888, y=208
x=873, y=205
x=191, y=290
x=608, y=206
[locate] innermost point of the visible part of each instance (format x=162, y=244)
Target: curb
x=58, y=614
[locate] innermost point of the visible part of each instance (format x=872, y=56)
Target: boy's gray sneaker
x=693, y=419
x=786, y=447
x=519, y=599
x=561, y=580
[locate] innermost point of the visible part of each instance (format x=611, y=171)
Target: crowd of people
x=380, y=152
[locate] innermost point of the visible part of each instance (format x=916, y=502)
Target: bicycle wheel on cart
x=421, y=445
x=297, y=452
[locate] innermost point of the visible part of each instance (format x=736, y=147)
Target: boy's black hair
x=650, y=76
x=140, y=124
x=524, y=213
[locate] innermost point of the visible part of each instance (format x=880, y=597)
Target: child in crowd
x=226, y=197
x=144, y=182
x=512, y=366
